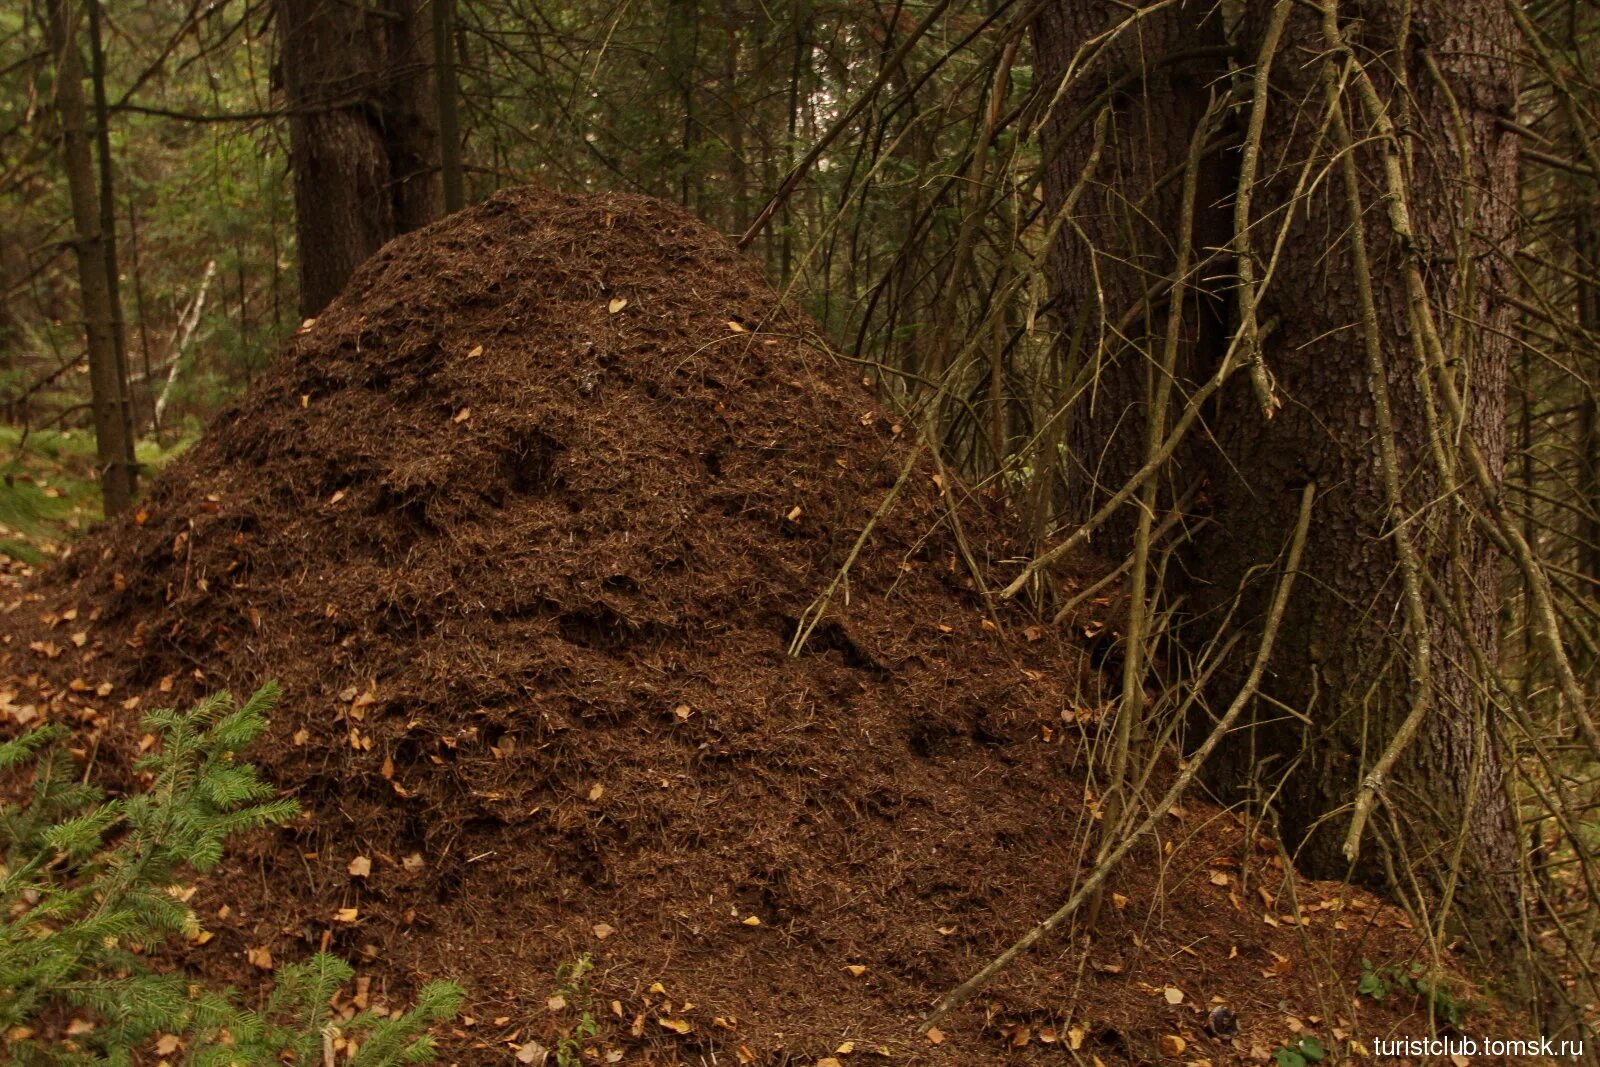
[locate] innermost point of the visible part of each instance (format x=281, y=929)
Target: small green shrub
x=87, y=887
x=1304, y=1051
x=572, y=985
x=1379, y=982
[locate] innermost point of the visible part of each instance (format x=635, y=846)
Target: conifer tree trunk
x=107, y=382
x=363, y=131
x=1348, y=664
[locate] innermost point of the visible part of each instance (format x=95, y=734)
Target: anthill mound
x=525, y=525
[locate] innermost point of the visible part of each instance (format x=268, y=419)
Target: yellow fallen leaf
x=856, y=970
x=1173, y=994
x=603, y=930
x=935, y=1036
x=736, y=327
x=617, y=304
x=360, y=867
x=463, y=415
x=346, y=915
x=751, y=920
x=477, y=350
x=677, y=1026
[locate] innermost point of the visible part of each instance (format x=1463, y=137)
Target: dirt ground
x=525, y=525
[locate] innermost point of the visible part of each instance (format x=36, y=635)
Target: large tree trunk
x=1151, y=83
x=1349, y=662
x=108, y=387
x=363, y=131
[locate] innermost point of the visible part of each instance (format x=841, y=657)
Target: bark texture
x=363, y=131
x=1344, y=664
x=108, y=387
x=1118, y=251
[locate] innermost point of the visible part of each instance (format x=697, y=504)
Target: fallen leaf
x=1173, y=994
x=751, y=920
x=360, y=867
x=413, y=862
x=463, y=415
x=259, y=957
x=736, y=327
x=477, y=350
x=346, y=915
x=556, y=1002
x=677, y=1026
x=935, y=1036
x=856, y=970
x=1172, y=1045
x=617, y=304
x=533, y=1054
x=597, y=791
x=603, y=930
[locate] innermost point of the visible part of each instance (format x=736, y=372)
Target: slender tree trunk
x=1348, y=665
x=444, y=56
x=363, y=133
x=108, y=387
x=108, y=231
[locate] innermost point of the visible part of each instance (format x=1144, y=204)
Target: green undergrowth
x=92, y=884
x=48, y=489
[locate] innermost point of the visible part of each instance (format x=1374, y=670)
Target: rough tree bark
x=1347, y=662
x=108, y=386
x=363, y=131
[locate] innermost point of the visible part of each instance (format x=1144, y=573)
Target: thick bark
x=1346, y=663
x=363, y=131
x=107, y=384
x=1152, y=81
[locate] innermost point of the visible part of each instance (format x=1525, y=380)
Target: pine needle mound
x=524, y=525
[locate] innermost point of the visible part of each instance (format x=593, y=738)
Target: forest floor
x=48, y=492
x=525, y=525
